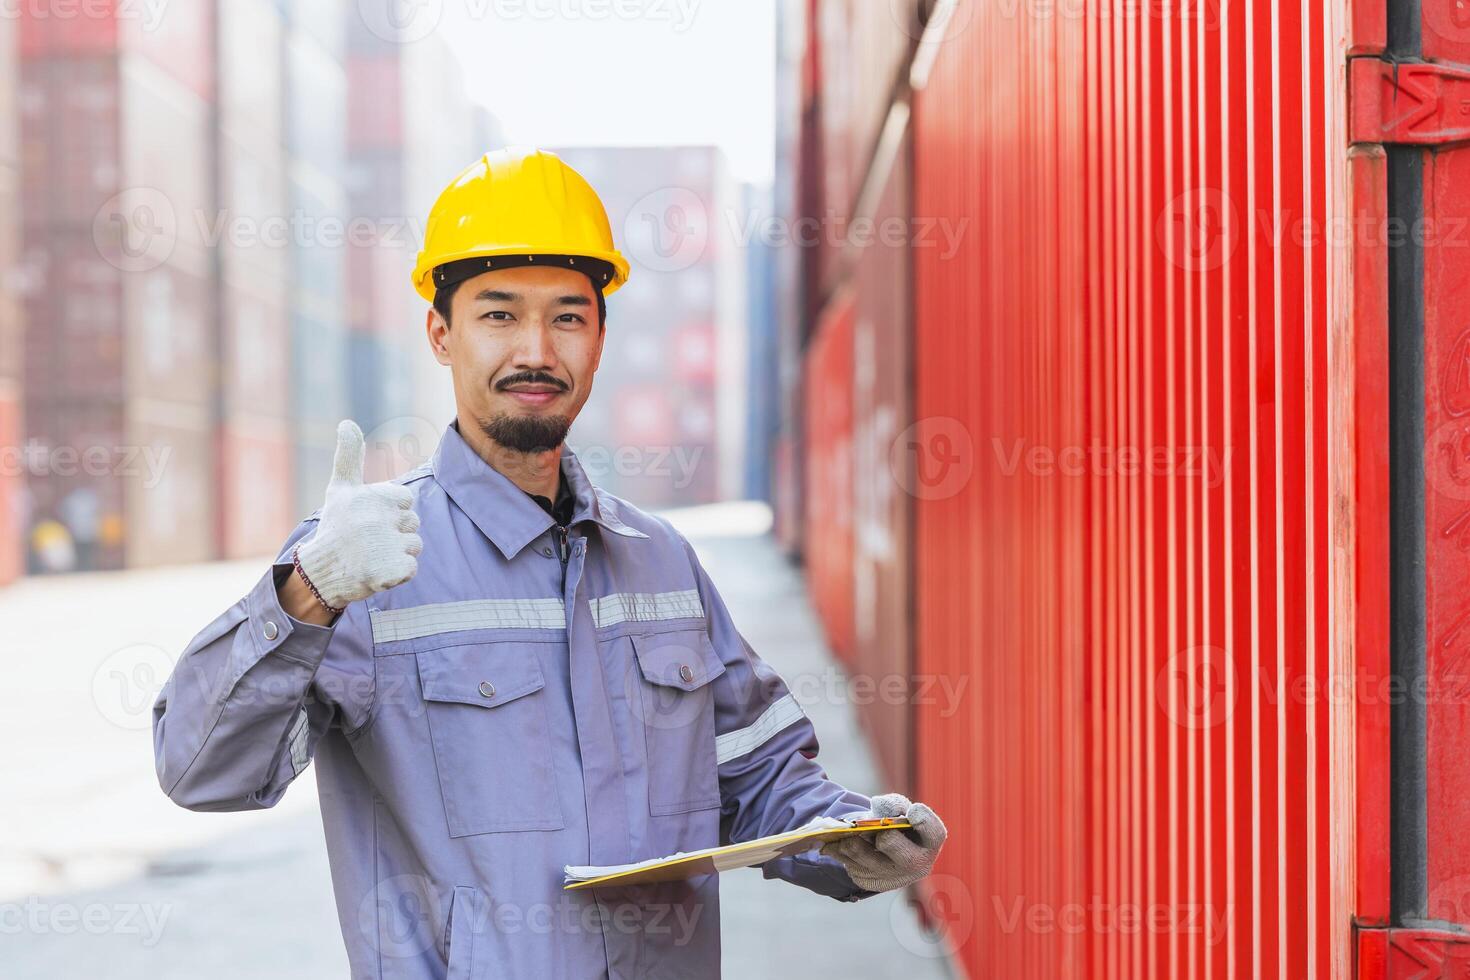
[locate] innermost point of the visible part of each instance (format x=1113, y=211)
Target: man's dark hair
x=444, y=300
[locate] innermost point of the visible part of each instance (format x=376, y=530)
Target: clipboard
x=713, y=860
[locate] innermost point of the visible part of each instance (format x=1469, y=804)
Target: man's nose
x=534, y=347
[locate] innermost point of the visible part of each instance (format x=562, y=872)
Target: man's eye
x=571, y=318
x=495, y=315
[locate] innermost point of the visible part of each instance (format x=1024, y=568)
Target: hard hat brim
x=423, y=277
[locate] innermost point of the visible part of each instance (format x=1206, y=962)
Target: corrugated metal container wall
x=862, y=47
x=791, y=46
x=1122, y=373
x=827, y=524
x=882, y=481
x=12, y=529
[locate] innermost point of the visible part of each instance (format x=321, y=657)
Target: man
x=502, y=669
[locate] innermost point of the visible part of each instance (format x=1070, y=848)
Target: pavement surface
x=102, y=876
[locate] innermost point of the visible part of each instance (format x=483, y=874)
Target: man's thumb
x=347, y=464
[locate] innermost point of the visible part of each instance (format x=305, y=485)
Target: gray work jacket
x=536, y=696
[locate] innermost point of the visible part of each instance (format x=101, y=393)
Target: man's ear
x=438, y=330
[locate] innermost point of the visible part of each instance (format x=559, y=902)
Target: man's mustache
x=531, y=378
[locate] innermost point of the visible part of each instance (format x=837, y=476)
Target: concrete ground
x=100, y=875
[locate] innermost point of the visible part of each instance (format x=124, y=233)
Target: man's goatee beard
x=527, y=433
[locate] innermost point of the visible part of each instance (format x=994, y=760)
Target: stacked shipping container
x=444, y=134
x=763, y=385
x=256, y=437
x=666, y=425
x=12, y=469
x=115, y=178
x=789, y=193
x=857, y=367
x=185, y=229
x=316, y=168
x=882, y=412
x=382, y=312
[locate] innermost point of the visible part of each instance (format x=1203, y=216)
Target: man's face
x=522, y=345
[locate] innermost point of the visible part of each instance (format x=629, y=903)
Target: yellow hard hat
x=520, y=202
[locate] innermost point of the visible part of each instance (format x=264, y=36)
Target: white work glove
x=366, y=538
x=891, y=859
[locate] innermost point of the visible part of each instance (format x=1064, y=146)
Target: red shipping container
x=865, y=50
x=71, y=160
x=827, y=526
x=1124, y=535
x=11, y=325
x=256, y=506
x=883, y=478
x=78, y=294
x=51, y=29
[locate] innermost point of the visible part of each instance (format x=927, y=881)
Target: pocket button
x=686, y=673
x=487, y=689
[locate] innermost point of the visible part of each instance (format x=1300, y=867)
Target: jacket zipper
x=561, y=547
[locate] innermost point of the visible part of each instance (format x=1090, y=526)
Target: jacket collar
x=504, y=512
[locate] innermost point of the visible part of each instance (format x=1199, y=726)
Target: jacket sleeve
x=242, y=711
x=770, y=781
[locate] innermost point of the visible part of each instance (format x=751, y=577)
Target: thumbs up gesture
x=366, y=539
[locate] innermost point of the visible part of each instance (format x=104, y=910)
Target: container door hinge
x=1407, y=102
x=1411, y=954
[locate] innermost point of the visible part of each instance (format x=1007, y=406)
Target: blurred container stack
x=115, y=176
x=763, y=380
x=843, y=304
x=790, y=191
x=190, y=181
x=410, y=130
x=12, y=467
x=443, y=134
x=253, y=255
x=666, y=421
x=316, y=169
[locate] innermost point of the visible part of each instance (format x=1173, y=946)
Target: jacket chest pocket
x=487, y=721
x=674, y=701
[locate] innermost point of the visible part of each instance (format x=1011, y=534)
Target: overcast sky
x=624, y=72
